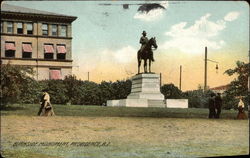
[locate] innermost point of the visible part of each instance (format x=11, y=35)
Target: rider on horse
x=144, y=41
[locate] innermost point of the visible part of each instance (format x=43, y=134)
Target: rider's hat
x=144, y=32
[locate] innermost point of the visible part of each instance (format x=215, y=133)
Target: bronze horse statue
x=146, y=54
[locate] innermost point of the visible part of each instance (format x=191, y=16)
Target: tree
x=91, y=93
x=18, y=84
x=57, y=91
x=31, y=91
x=238, y=87
x=107, y=92
x=121, y=89
x=74, y=89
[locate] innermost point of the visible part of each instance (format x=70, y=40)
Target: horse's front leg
x=139, y=65
x=145, y=65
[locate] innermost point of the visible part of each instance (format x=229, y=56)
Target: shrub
x=197, y=98
x=170, y=91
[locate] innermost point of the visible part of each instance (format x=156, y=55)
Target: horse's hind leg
x=149, y=65
x=139, y=60
x=139, y=65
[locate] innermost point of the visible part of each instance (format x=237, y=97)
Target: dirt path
x=142, y=136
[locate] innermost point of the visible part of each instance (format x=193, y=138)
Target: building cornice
x=45, y=66
x=37, y=59
x=37, y=17
x=36, y=36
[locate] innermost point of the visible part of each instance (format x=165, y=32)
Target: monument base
x=136, y=103
x=145, y=92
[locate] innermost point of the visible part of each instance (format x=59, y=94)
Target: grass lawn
x=130, y=132
x=103, y=111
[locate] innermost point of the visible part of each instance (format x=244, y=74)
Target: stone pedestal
x=146, y=86
x=145, y=92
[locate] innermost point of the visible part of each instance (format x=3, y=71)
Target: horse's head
x=153, y=42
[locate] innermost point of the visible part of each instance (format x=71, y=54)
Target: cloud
x=126, y=54
x=105, y=62
x=164, y=4
x=152, y=14
x=231, y=16
x=194, y=38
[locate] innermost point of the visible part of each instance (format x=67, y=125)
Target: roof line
x=5, y=7
x=35, y=14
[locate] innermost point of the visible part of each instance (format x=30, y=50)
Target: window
x=48, y=51
x=27, y=50
x=9, y=27
x=45, y=29
x=54, y=30
x=20, y=28
x=10, y=49
x=63, y=31
x=29, y=28
x=61, y=52
x=55, y=74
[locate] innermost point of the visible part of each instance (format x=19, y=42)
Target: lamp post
x=205, y=74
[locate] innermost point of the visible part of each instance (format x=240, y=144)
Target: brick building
x=37, y=38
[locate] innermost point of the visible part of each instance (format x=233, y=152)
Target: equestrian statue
x=146, y=52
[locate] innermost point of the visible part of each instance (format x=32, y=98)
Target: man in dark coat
x=218, y=104
x=211, y=106
x=144, y=41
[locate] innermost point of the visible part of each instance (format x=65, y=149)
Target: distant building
x=220, y=89
x=37, y=38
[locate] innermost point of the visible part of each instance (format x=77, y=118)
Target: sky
x=106, y=38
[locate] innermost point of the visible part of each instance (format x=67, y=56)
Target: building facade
x=39, y=39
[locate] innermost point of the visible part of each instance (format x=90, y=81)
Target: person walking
x=211, y=106
x=241, y=113
x=218, y=105
x=46, y=108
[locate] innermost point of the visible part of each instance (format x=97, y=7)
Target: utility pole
x=248, y=80
x=205, y=74
x=180, y=77
x=37, y=38
x=248, y=71
x=205, y=77
x=160, y=80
